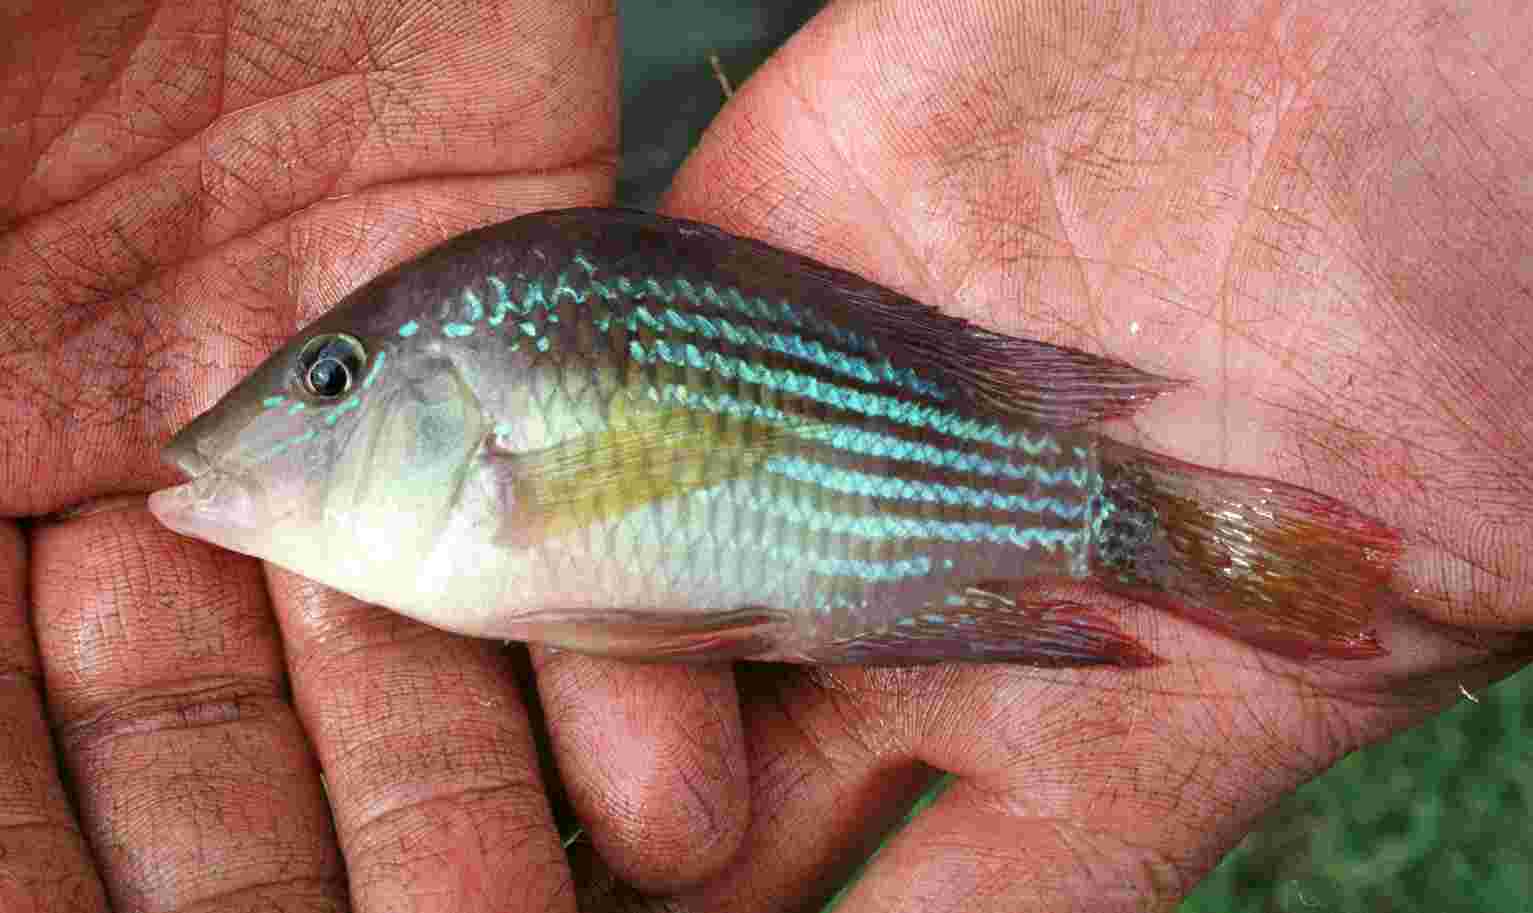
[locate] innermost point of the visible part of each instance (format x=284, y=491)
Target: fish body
x=626, y=434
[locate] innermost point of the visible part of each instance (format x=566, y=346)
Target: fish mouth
x=183, y=455
x=213, y=504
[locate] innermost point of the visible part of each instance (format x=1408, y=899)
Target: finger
x=428, y=758
x=45, y=863
x=195, y=783
x=825, y=783
x=970, y=852
x=654, y=761
x=1105, y=790
x=1177, y=763
x=1137, y=837
x=1075, y=791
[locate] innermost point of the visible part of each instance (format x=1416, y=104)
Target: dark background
x=670, y=92
x=1435, y=820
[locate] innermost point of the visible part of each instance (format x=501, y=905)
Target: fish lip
x=184, y=456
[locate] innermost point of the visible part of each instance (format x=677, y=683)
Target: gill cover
x=395, y=493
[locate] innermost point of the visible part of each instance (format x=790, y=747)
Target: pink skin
x=1314, y=215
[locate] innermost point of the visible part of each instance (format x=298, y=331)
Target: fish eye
x=330, y=364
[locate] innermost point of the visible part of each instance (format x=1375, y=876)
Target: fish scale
x=626, y=434
x=785, y=526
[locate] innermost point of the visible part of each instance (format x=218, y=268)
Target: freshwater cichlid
x=621, y=433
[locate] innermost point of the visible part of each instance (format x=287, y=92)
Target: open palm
x=1318, y=221
x=1315, y=220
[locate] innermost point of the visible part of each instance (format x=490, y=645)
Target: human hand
x=1318, y=220
x=837, y=752
x=181, y=186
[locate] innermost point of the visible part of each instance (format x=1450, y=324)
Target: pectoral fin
x=661, y=636
x=642, y=459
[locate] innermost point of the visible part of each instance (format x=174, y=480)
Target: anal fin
x=1276, y=566
x=990, y=622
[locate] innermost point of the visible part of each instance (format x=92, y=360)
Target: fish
x=619, y=433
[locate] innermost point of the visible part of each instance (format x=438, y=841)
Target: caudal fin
x=1271, y=564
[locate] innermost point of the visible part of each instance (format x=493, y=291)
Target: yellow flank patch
x=643, y=457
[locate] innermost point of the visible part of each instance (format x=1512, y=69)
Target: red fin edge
x=1271, y=564
x=994, y=622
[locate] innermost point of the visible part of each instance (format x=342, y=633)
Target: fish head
x=339, y=457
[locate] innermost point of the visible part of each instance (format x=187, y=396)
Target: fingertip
x=653, y=758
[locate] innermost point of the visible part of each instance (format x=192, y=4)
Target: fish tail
x=1273, y=565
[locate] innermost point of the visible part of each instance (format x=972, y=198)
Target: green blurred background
x=1434, y=820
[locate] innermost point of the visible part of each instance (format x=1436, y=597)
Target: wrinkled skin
x=1320, y=220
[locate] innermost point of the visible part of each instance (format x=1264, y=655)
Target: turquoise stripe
x=792, y=344
x=335, y=414
x=874, y=444
x=505, y=305
x=872, y=571
x=473, y=308
x=852, y=482
x=729, y=299
x=280, y=448
x=373, y=374
x=919, y=415
x=894, y=527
